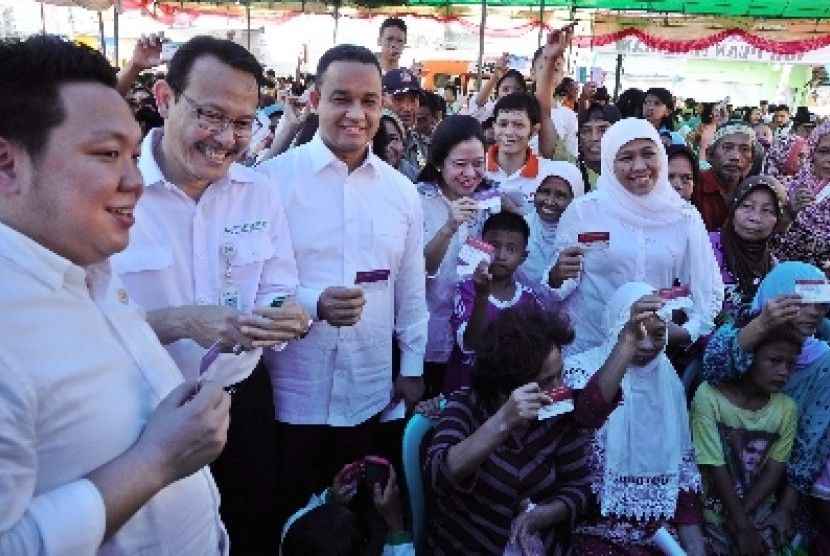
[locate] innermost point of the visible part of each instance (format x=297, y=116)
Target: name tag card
x=594, y=241
x=472, y=253
x=563, y=402
x=372, y=279
x=813, y=291
x=489, y=199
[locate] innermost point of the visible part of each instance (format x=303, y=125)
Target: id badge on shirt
x=231, y=296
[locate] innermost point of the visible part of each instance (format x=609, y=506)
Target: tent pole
x=115, y=31
x=541, y=23
x=336, y=20
x=101, y=33
x=481, y=44
x=42, y=17
x=248, y=17
x=618, y=77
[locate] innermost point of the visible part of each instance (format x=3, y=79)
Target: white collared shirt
x=178, y=252
x=343, y=223
x=80, y=373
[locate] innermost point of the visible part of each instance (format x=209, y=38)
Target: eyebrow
x=104, y=134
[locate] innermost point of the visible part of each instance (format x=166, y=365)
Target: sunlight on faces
x=194, y=155
x=513, y=131
x=590, y=137
x=392, y=42
x=821, y=158
x=652, y=344
x=463, y=169
x=510, y=251
x=509, y=85
x=681, y=176
x=348, y=104
x=637, y=166
x=731, y=157
x=756, y=217
x=809, y=318
x=654, y=110
x=405, y=105
x=552, y=198
x=77, y=200
x=550, y=374
x=772, y=365
x=394, y=150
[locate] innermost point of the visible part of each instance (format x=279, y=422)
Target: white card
x=556, y=408
x=813, y=291
x=472, y=253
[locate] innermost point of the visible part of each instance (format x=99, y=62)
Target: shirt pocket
x=141, y=259
x=253, y=249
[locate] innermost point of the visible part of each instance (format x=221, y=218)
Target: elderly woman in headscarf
x=784, y=158
x=808, y=238
x=743, y=247
x=635, y=227
x=643, y=470
x=729, y=355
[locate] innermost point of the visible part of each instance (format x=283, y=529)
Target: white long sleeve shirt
x=343, y=223
x=656, y=256
x=80, y=373
x=178, y=253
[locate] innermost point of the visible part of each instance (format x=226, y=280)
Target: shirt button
x=203, y=301
x=200, y=256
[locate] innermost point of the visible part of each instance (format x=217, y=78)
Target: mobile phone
x=376, y=471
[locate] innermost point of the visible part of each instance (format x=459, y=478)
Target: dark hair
x=783, y=333
x=380, y=140
x=513, y=347
x=432, y=101
x=707, y=114
x=515, y=74
x=453, y=89
x=524, y=102
x=391, y=22
x=450, y=132
x=666, y=98
x=328, y=530
x=782, y=108
x=684, y=151
x=630, y=103
x=307, y=130
x=344, y=53
x=507, y=222
x=227, y=52
x=603, y=112
x=32, y=71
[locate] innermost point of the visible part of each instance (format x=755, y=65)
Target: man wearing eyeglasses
x=209, y=255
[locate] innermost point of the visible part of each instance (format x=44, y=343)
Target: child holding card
x=492, y=287
x=743, y=433
x=782, y=301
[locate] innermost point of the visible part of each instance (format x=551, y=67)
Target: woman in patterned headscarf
x=785, y=157
x=808, y=239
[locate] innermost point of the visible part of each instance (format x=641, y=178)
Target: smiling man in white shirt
x=356, y=227
x=208, y=255
x=102, y=448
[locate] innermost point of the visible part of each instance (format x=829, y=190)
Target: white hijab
x=540, y=245
x=661, y=207
x=643, y=453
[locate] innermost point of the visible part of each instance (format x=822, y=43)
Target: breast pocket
x=383, y=242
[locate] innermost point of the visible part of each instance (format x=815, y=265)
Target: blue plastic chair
x=413, y=435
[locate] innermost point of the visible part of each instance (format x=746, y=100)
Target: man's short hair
x=344, y=53
x=392, y=22
x=32, y=71
x=507, y=222
x=524, y=102
x=227, y=52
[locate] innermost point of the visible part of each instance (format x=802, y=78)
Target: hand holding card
x=473, y=252
x=562, y=402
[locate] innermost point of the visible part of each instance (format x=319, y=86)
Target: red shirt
x=709, y=199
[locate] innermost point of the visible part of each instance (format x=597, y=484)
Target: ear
x=524, y=257
x=164, y=97
x=314, y=98
x=11, y=158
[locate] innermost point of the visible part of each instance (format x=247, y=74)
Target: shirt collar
x=153, y=176
x=529, y=170
x=43, y=264
x=321, y=157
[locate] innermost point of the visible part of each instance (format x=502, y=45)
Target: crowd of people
x=613, y=311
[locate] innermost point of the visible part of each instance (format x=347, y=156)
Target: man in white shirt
x=356, y=227
x=102, y=448
x=392, y=41
x=209, y=253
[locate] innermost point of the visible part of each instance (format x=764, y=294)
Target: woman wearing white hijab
x=653, y=236
x=643, y=466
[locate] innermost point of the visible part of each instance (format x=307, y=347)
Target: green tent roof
x=797, y=9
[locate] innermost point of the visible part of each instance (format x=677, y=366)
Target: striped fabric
x=543, y=462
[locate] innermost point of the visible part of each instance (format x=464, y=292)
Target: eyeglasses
x=460, y=165
x=216, y=122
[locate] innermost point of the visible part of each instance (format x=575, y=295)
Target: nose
x=131, y=179
x=355, y=111
x=225, y=137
